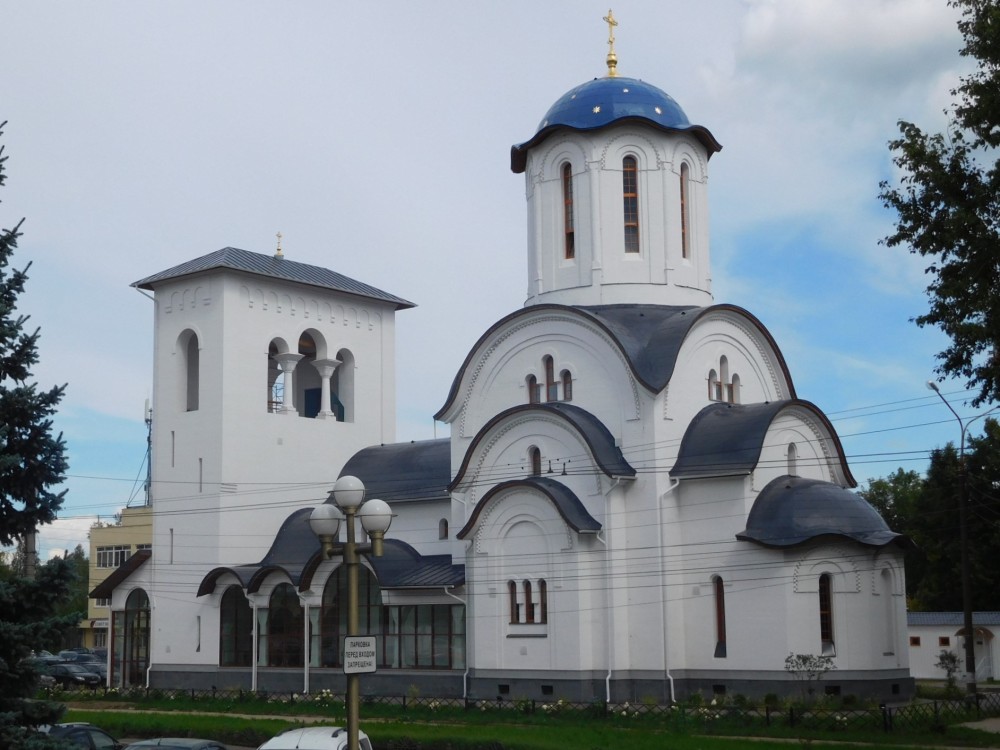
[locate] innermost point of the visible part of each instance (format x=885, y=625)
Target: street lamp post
x=347, y=504
x=963, y=536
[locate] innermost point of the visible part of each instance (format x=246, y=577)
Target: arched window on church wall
x=531, y=383
x=275, y=381
x=529, y=603
x=284, y=628
x=333, y=617
x=719, y=592
x=235, y=629
x=826, y=614
x=515, y=614
x=685, y=211
x=190, y=357
x=888, y=612
x=567, y=385
x=543, y=601
x=307, y=382
x=630, y=200
x=535, y=459
x=793, y=456
x=443, y=528
x=568, y=231
x=551, y=387
x=714, y=386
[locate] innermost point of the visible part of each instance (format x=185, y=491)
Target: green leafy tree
x=926, y=511
x=948, y=209
x=32, y=462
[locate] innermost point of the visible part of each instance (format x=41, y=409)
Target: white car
x=315, y=738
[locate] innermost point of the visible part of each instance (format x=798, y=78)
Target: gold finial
x=612, y=57
x=279, y=254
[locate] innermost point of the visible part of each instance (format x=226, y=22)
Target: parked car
x=176, y=743
x=84, y=735
x=92, y=664
x=73, y=675
x=314, y=738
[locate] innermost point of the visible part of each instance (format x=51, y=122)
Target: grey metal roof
x=726, y=439
x=793, y=510
x=296, y=551
x=606, y=453
x=402, y=567
x=951, y=619
x=106, y=588
x=404, y=472
x=650, y=336
x=565, y=500
x=272, y=267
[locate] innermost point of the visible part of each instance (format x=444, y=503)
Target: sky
x=375, y=137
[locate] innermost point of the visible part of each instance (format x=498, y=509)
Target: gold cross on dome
x=612, y=57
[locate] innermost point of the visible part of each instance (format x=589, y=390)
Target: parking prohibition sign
x=359, y=654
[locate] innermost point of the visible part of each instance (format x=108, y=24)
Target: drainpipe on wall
x=607, y=586
x=307, y=657
x=149, y=646
x=675, y=483
x=254, y=650
x=465, y=675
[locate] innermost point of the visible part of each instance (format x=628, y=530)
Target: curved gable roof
x=727, y=439
x=563, y=498
x=275, y=267
x=650, y=337
x=607, y=455
x=403, y=472
x=792, y=510
x=297, y=552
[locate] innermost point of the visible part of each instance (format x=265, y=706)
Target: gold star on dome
x=597, y=109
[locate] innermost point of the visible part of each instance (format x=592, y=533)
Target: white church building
x=633, y=503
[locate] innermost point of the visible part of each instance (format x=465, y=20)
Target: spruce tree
x=32, y=463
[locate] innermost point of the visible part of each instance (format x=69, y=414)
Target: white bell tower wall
x=245, y=430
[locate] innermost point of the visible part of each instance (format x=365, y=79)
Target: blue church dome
x=604, y=101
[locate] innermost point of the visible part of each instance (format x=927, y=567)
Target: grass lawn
x=503, y=734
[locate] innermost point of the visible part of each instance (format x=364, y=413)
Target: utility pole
x=963, y=536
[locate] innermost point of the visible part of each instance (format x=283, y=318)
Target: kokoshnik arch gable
x=633, y=501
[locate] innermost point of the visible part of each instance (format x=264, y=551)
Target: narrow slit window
x=533, y=392
x=568, y=231
x=512, y=602
x=529, y=603
x=826, y=613
x=543, y=601
x=535, y=456
x=551, y=387
x=685, y=211
x=630, y=195
x=567, y=385
x=720, y=617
